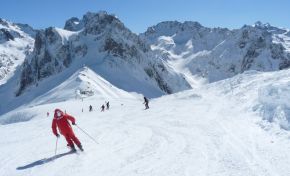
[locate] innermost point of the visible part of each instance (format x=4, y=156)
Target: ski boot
x=81, y=147
x=72, y=148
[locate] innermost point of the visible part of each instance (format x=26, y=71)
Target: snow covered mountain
x=102, y=42
x=167, y=58
x=16, y=42
x=237, y=124
x=219, y=53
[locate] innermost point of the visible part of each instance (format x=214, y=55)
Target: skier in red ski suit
x=61, y=121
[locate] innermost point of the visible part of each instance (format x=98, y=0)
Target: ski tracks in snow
x=181, y=135
x=206, y=142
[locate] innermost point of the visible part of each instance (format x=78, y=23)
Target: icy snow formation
x=265, y=93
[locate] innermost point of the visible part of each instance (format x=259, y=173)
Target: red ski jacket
x=62, y=123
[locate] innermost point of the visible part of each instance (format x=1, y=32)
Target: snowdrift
x=275, y=103
x=266, y=94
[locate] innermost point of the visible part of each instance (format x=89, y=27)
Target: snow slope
x=203, y=131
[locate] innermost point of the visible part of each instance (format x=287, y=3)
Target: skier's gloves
x=57, y=135
x=74, y=123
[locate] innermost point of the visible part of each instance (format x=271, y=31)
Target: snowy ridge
x=82, y=84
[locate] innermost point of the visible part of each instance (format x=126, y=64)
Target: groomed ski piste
x=234, y=127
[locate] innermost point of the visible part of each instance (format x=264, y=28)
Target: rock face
x=218, y=53
x=16, y=42
x=73, y=24
x=101, y=42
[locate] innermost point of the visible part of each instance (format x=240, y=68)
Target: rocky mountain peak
x=73, y=24
x=171, y=27
x=260, y=24
x=94, y=23
x=3, y=22
x=268, y=27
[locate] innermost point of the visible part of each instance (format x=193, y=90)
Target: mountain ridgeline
x=152, y=63
x=219, y=53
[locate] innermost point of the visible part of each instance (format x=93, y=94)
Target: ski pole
x=55, y=146
x=87, y=134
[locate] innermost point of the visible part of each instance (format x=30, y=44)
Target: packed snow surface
x=215, y=130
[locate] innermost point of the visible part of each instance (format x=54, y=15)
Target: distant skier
x=108, y=105
x=61, y=121
x=91, y=108
x=146, y=102
x=102, y=108
x=47, y=114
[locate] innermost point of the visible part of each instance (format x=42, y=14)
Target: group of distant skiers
x=102, y=107
x=61, y=122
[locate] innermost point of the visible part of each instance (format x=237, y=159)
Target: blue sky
x=140, y=14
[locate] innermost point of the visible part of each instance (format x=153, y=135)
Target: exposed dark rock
x=73, y=24
x=6, y=35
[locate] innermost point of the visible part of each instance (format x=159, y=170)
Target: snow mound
x=275, y=105
x=14, y=117
x=266, y=94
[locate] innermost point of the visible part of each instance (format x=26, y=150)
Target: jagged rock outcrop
x=16, y=42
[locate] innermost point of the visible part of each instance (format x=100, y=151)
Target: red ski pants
x=71, y=139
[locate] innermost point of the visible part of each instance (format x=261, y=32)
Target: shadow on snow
x=43, y=161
